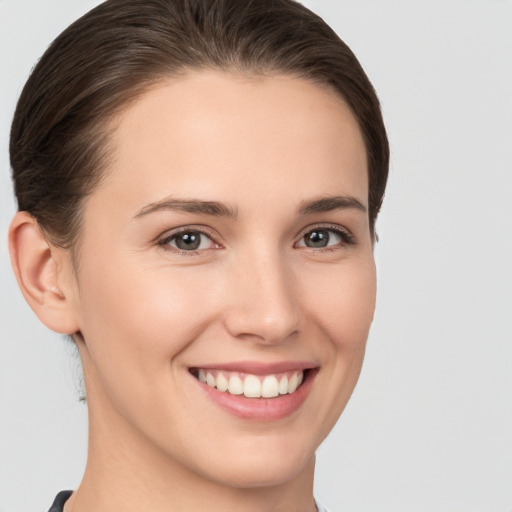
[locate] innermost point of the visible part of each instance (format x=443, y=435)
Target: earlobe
x=43, y=278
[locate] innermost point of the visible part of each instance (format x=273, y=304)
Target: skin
x=254, y=291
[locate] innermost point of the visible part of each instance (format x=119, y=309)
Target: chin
x=254, y=474
x=260, y=463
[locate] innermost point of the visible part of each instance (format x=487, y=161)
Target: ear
x=44, y=274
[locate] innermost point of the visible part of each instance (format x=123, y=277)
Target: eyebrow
x=216, y=209
x=328, y=204
x=213, y=208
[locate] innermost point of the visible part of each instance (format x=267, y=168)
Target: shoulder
x=321, y=507
x=60, y=499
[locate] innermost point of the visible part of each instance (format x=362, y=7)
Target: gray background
x=429, y=427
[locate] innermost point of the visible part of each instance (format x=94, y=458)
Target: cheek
x=135, y=329
x=148, y=317
x=344, y=300
x=342, y=306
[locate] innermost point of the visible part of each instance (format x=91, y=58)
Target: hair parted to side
x=59, y=144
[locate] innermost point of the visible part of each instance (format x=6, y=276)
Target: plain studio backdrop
x=429, y=427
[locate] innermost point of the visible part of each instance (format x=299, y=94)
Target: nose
x=262, y=300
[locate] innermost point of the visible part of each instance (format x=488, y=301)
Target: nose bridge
x=263, y=305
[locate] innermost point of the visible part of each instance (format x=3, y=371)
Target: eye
x=323, y=237
x=188, y=240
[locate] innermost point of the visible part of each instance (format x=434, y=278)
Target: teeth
x=292, y=385
x=210, y=380
x=270, y=387
x=283, y=386
x=252, y=386
x=222, y=382
x=236, y=386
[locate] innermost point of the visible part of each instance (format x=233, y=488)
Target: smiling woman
x=198, y=184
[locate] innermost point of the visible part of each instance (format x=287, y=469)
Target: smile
x=252, y=386
x=257, y=392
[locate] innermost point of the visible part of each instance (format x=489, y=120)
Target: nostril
x=266, y=331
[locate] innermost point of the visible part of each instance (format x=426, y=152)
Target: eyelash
x=164, y=243
x=347, y=239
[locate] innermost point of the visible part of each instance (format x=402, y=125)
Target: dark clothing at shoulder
x=61, y=498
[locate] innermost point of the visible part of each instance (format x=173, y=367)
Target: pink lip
x=261, y=409
x=257, y=368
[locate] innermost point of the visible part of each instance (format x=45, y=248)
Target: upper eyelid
x=346, y=235
x=163, y=242
x=183, y=229
x=324, y=225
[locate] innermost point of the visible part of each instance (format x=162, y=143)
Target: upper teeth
x=252, y=386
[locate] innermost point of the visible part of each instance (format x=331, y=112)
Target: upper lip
x=258, y=367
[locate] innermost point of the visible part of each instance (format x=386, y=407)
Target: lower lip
x=261, y=409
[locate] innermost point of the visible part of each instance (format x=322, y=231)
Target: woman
x=198, y=184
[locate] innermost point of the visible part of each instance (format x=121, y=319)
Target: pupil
x=188, y=241
x=317, y=238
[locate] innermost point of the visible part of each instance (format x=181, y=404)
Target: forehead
x=212, y=133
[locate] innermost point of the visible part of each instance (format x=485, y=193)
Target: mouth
x=257, y=392
x=249, y=385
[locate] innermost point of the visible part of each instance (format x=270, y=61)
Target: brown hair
x=108, y=57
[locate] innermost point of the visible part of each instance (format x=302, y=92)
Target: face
x=226, y=282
